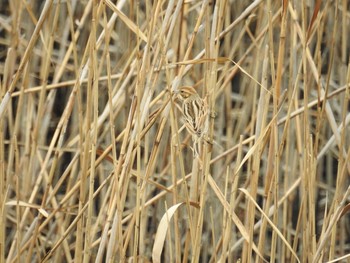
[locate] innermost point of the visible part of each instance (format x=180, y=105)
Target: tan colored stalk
x=94, y=157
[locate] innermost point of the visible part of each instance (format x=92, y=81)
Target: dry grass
x=95, y=163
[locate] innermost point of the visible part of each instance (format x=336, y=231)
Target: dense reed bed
x=97, y=166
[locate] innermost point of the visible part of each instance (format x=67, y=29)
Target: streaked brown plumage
x=194, y=109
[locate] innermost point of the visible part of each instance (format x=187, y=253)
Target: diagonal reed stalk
x=95, y=162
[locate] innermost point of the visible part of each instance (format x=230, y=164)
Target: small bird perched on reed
x=195, y=111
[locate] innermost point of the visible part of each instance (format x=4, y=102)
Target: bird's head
x=185, y=92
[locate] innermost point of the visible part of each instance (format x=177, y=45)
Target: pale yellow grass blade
x=134, y=28
x=233, y=216
x=271, y=223
x=162, y=230
x=25, y=204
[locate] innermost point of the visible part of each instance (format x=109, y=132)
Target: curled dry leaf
x=162, y=230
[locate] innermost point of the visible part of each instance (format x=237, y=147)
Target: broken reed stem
x=92, y=157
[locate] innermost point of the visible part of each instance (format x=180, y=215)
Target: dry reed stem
x=94, y=158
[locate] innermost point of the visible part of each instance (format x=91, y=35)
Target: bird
x=195, y=111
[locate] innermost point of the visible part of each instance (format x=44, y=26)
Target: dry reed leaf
x=314, y=15
x=162, y=230
x=312, y=104
x=134, y=28
x=340, y=259
x=284, y=6
x=201, y=61
x=250, y=76
x=254, y=147
x=25, y=204
x=9, y=67
x=270, y=222
x=324, y=238
x=191, y=40
x=26, y=56
x=233, y=216
x=262, y=139
x=219, y=60
x=345, y=210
